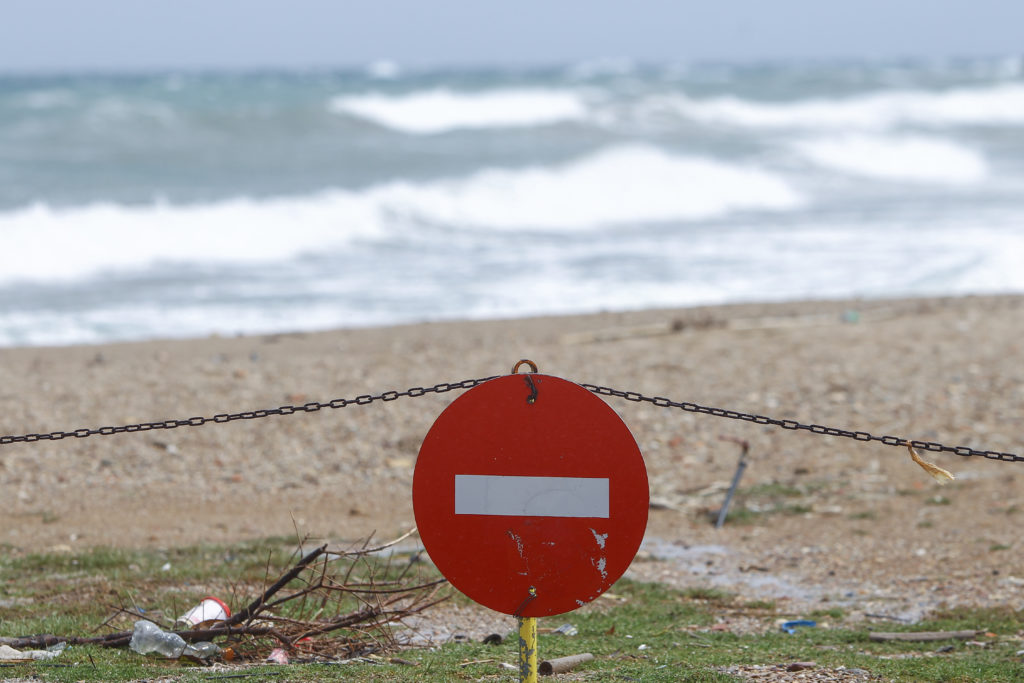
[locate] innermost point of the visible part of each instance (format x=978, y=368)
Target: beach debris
x=940, y=475
x=922, y=636
x=11, y=655
x=148, y=637
x=206, y=613
x=790, y=627
x=463, y=665
x=561, y=665
x=326, y=606
x=402, y=662
x=566, y=630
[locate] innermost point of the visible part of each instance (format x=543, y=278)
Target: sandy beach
x=860, y=521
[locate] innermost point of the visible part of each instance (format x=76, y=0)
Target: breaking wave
x=905, y=157
x=443, y=110
x=620, y=185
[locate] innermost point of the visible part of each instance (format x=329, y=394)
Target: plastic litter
x=567, y=630
x=791, y=626
x=148, y=637
x=208, y=611
x=203, y=650
x=9, y=654
x=278, y=656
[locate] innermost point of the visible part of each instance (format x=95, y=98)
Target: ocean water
x=189, y=204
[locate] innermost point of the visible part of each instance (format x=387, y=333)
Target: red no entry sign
x=511, y=495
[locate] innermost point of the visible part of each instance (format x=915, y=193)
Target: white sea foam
x=897, y=157
x=618, y=186
x=44, y=244
x=621, y=185
x=1001, y=104
x=442, y=110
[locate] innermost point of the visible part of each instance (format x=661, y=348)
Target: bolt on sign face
x=530, y=508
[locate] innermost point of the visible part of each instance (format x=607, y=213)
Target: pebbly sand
x=859, y=525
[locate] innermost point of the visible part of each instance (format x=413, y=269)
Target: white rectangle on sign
x=531, y=496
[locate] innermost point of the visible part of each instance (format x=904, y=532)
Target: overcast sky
x=62, y=35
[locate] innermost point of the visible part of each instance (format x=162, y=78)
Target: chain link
x=443, y=387
x=662, y=402
x=311, y=407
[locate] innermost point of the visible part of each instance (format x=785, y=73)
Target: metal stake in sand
x=740, y=466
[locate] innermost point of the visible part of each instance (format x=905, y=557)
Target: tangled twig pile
x=327, y=605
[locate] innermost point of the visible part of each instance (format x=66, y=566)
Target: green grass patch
x=833, y=613
x=754, y=503
x=772, y=490
x=645, y=632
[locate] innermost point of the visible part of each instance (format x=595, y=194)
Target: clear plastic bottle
x=148, y=637
x=203, y=650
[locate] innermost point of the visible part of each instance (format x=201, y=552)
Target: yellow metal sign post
x=527, y=650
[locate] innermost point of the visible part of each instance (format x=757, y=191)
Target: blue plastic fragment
x=791, y=626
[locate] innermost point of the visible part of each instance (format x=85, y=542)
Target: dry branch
x=308, y=617
x=256, y=605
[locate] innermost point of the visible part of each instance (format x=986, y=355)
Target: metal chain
x=311, y=407
x=443, y=387
x=793, y=424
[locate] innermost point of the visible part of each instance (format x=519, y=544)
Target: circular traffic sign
x=530, y=495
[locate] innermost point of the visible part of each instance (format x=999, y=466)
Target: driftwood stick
x=922, y=636
x=563, y=665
